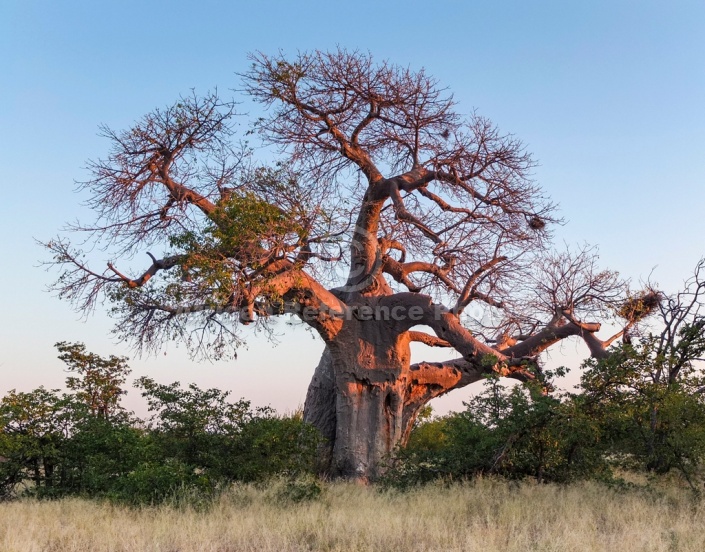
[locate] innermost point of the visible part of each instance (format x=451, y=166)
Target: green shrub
x=164, y=482
x=514, y=433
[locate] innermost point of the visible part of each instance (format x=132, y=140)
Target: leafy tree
x=33, y=428
x=649, y=392
x=387, y=210
x=98, y=381
x=189, y=422
x=70, y=443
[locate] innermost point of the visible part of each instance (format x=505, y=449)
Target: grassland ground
x=485, y=515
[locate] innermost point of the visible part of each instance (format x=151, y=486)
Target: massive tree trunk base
x=364, y=414
x=369, y=427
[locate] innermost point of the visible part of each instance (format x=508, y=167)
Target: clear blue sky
x=608, y=95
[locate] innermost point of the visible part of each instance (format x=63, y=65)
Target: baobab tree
x=388, y=219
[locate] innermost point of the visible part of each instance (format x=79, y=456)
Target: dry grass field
x=486, y=516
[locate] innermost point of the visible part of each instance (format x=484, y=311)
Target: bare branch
x=427, y=339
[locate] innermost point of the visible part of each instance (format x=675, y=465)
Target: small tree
x=649, y=391
x=33, y=428
x=193, y=425
x=98, y=381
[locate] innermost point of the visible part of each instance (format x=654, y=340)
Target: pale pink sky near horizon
x=607, y=95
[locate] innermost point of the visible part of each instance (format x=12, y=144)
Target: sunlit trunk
x=369, y=426
x=360, y=399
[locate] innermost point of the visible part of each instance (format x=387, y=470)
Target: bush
x=196, y=442
x=226, y=441
x=164, y=482
x=515, y=433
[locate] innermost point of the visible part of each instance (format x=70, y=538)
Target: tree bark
x=319, y=408
x=357, y=395
x=365, y=395
x=369, y=427
x=361, y=422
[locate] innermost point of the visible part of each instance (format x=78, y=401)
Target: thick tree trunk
x=362, y=400
x=360, y=420
x=369, y=427
x=361, y=424
x=365, y=394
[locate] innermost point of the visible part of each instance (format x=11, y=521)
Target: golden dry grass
x=486, y=516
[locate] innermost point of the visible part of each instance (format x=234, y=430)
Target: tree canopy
x=386, y=210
